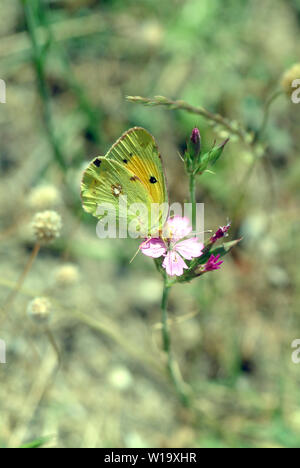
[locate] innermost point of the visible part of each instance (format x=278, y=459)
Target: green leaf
x=221, y=250
x=36, y=443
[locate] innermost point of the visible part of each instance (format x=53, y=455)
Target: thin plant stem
x=182, y=105
x=193, y=199
x=39, y=65
x=266, y=116
x=9, y=301
x=91, y=112
x=172, y=366
x=53, y=343
x=41, y=384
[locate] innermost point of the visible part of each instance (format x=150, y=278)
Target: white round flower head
x=46, y=226
x=67, y=274
x=288, y=78
x=43, y=197
x=39, y=310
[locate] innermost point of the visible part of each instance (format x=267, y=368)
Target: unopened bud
x=221, y=232
x=195, y=143
x=39, y=310
x=216, y=152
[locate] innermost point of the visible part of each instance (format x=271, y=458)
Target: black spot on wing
x=97, y=162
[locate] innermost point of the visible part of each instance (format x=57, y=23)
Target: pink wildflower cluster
x=175, y=246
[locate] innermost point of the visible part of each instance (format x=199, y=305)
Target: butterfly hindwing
x=106, y=183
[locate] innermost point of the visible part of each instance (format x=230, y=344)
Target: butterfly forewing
x=131, y=169
x=137, y=150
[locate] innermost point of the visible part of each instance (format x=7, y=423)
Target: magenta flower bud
x=196, y=142
x=221, y=232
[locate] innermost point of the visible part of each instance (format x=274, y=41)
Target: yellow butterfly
x=132, y=171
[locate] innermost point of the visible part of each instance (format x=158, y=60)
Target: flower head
x=288, y=78
x=174, y=246
x=213, y=263
x=39, y=310
x=221, y=232
x=43, y=197
x=67, y=275
x=46, y=226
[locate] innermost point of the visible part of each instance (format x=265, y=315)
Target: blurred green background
x=68, y=66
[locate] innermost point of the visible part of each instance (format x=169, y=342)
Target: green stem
x=182, y=105
x=266, y=116
x=39, y=64
x=90, y=110
x=173, y=369
x=193, y=199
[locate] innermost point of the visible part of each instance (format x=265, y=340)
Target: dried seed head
x=67, y=275
x=39, y=310
x=46, y=226
x=43, y=197
x=289, y=77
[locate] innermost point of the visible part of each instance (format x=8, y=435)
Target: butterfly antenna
x=209, y=231
x=138, y=250
x=180, y=156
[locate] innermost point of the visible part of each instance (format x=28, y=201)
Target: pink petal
x=174, y=264
x=154, y=248
x=189, y=248
x=177, y=228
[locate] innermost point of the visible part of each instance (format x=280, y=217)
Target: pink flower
x=213, y=263
x=174, y=246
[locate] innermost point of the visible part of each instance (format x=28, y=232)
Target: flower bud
x=43, y=197
x=39, y=310
x=67, y=275
x=221, y=232
x=217, y=151
x=195, y=142
x=193, y=151
x=210, y=158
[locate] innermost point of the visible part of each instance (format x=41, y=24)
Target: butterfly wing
x=137, y=151
x=107, y=183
